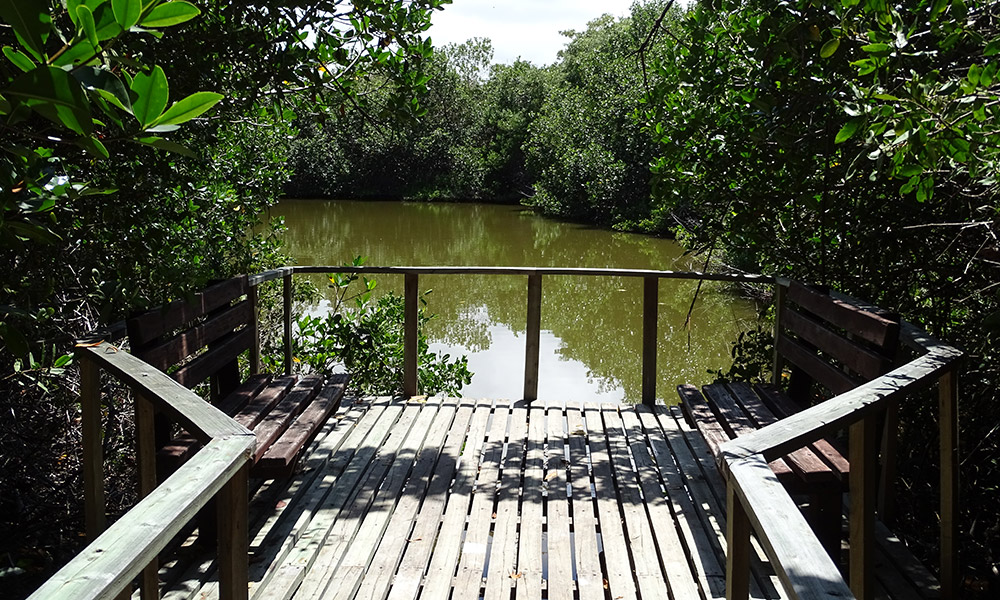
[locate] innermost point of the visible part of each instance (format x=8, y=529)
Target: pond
x=591, y=336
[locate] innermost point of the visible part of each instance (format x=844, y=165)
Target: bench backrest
x=201, y=338
x=831, y=342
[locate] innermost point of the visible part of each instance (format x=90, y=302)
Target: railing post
x=737, y=546
x=532, y=337
x=286, y=291
x=779, y=304
x=234, y=565
x=255, y=345
x=145, y=437
x=948, y=419
x=864, y=496
x=410, y=334
x=93, y=459
x=650, y=310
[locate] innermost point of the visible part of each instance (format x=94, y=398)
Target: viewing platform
x=416, y=497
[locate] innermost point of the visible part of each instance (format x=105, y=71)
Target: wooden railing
x=756, y=500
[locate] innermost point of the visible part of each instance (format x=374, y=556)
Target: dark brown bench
x=831, y=347
x=201, y=341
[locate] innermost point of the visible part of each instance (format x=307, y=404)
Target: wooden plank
x=800, y=560
x=410, y=336
x=737, y=547
x=529, y=559
x=286, y=317
x=532, y=337
x=210, y=362
x=421, y=541
x=701, y=415
x=618, y=568
x=362, y=547
x=401, y=531
x=642, y=542
x=819, y=370
x=783, y=406
x=650, y=306
x=502, y=569
x=235, y=401
x=852, y=355
x=333, y=549
x=559, y=549
x=145, y=438
x=673, y=555
x=182, y=345
x=280, y=458
x=475, y=546
x=876, y=328
x=286, y=577
x=898, y=558
x=950, y=465
x=736, y=423
x=589, y=578
x=117, y=556
x=92, y=432
x=254, y=411
x=445, y=558
x=148, y=326
x=281, y=416
x=705, y=552
x=777, y=361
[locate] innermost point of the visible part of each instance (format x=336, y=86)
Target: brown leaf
x=552, y=475
x=414, y=540
x=281, y=504
x=516, y=575
x=606, y=584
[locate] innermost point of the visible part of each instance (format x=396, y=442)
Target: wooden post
x=410, y=335
x=948, y=419
x=255, y=345
x=234, y=565
x=145, y=437
x=286, y=289
x=533, y=330
x=887, y=474
x=864, y=492
x=650, y=312
x=779, y=304
x=93, y=459
x=737, y=547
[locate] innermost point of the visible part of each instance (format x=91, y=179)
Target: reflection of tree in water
x=599, y=320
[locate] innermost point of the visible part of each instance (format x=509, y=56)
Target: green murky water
x=591, y=327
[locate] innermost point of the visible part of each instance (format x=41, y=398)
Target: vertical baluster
x=864, y=496
x=255, y=331
x=737, y=546
x=948, y=419
x=234, y=566
x=777, y=363
x=286, y=289
x=410, y=335
x=93, y=459
x=533, y=334
x=650, y=310
x=145, y=437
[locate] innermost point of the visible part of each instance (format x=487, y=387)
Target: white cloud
x=528, y=29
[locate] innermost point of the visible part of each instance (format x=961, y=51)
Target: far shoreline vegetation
x=849, y=143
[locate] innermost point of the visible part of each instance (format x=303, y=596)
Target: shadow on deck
x=469, y=499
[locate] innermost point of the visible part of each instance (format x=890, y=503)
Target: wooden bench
x=825, y=341
x=200, y=341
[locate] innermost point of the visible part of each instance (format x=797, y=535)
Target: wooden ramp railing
x=757, y=503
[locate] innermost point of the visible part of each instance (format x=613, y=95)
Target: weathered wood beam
x=948, y=422
x=286, y=294
x=650, y=312
x=532, y=342
x=411, y=284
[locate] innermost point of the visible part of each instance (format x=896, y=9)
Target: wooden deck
x=439, y=498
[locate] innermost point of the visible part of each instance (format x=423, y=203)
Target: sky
x=528, y=29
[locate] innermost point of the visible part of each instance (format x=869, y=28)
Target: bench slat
x=831, y=377
x=239, y=398
x=736, y=423
x=783, y=406
x=875, y=328
x=700, y=415
x=176, y=348
x=855, y=357
x=209, y=363
x=148, y=326
x=284, y=412
x=258, y=408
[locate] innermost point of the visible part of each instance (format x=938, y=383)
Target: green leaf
x=937, y=8
x=162, y=144
x=81, y=50
x=909, y=171
x=171, y=13
x=188, y=108
x=86, y=19
x=888, y=97
x=56, y=95
x=104, y=83
x=992, y=47
x=20, y=60
x=92, y=145
x=974, y=72
x=829, y=48
x=127, y=12
x=151, y=92
x=877, y=48
x=15, y=341
x=31, y=22
x=848, y=130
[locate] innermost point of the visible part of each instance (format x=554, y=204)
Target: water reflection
x=592, y=327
